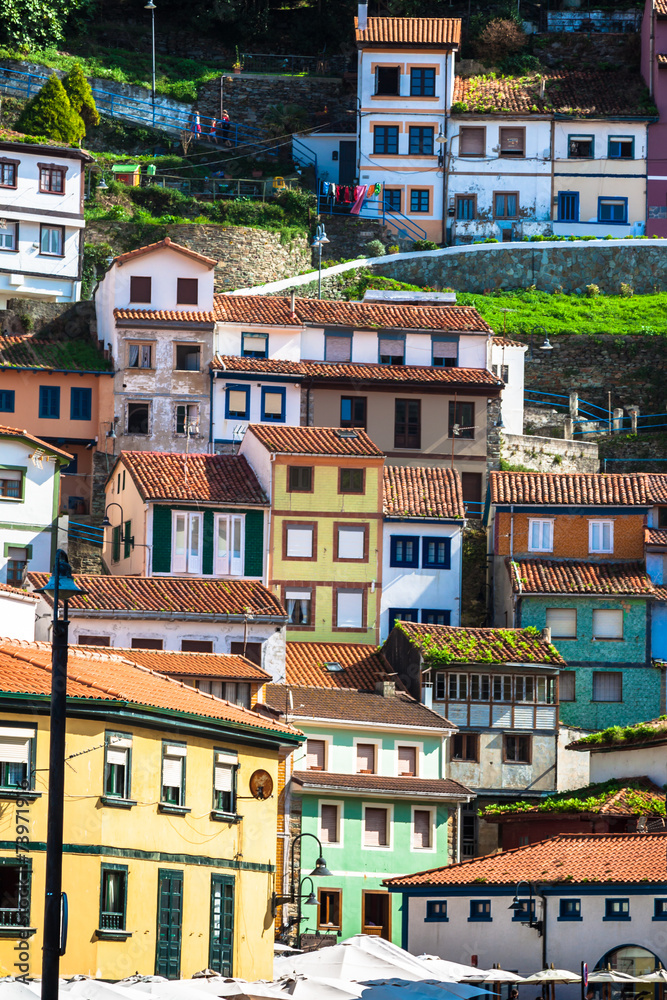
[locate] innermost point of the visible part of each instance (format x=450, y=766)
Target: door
x=471, y=487
x=221, y=940
x=347, y=162
x=376, y=915
x=169, y=924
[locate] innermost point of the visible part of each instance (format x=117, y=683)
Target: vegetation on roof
x=616, y=735
x=65, y=355
x=590, y=799
x=471, y=648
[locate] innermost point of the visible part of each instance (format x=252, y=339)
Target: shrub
x=283, y=119
x=375, y=248
x=592, y=291
x=95, y=263
x=424, y=245
x=157, y=199
x=627, y=291
x=393, y=248
x=80, y=96
x=51, y=115
x=500, y=39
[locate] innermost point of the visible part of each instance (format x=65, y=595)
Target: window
x=660, y=909
x=229, y=544
x=113, y=896
x=407, y=423
x=580, y=147
x=607, y=624
x=254, y=345
x=187, y=418
x=607, y=685
x=422, y=830
x=273, y=405
x=466, y=205
x=517, y=749
x=139, y=355
x=94, y=640
x=52, y=241
x=621, y=148
x=436, y=909
x=188, y=357
x=117, y=757
x=562, y=622
x=237, y=693
x=540, y=535
x=422, y=82
x=186, y=542
x=51, y=180
x=567, y=685
x=392, y=199
x=49, y=402
x=420, y=141
x=613, y=210
x=480, y=689
x=140, y=288
x=502, y=688
x=298, y=603
x=8, y=175
x=187, y=292
x=81, y=403
x=299, y=541
x=436, y=553
x=9, y=238
x=299, y=479
x=391, y=350
x=502, y=372
x=350, y=609
x=7, y=397
x=407, y=761
x=173, y=773
x=365, y=754
x=224, y=782
x=141, y=642
x=237, y=401
x=480, y=909
x=353, y=411
x=128, y=540
x=11, y=484
x=387, y=81
x=465, y=746
x=385, y=140
x=569, y=909
x=402, y=615
x=526, y=912
x=524, y=688
x=433, y=616
x=315, y=754
x=196, y=646
x=351, y=543
x=512, y=141
x=14, y=893
x=506, y=206
x=337, y=347
x=544, y=690
x=472, y=140
x=329, y=823
x=351, y=481
x=376, y=827
x=601, y=536
x=419, y=200
x=138, y=418
x=115, y=543
x=462, y=420
x=445, y=353
x=616, y=909
x=458, y=687
x=440, y=686
x=568, y=206
x=329, y=906
x=16, y=750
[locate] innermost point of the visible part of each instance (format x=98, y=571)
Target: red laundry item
x=359, y=198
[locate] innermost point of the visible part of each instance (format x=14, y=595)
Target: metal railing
x=293, y=65
x=111, y=921
x=93, y=533
x=373, y=209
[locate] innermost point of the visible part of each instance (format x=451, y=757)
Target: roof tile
x=6, y=588
x=225, y=479
x=618, y=797
x=330, y=441
x=655, y=536
x=574, y=576
x=417, y=787
x=51, y=355
x=16, y=432
x=361, y=665
x=165, y=315
x=161, y=244
x=451, y=644
x=657, y=482
x=443, y=32
x=568, y=488
x=360, y=706
x=178, y=664
x=414, y=491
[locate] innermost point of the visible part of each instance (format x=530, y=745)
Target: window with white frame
x=351, y=542
x=9, y=235
x=407, y=761
x=186, y=542
x=524, y=688
x=502, y=688
x=440, y=686
x=479, y=687
x=601, y=536
x=187, y=419
x=229, y=547
x=562, y=622
x=422, y=830
x=544, y=690
x=607, y=685
x=139, y=355
x=224, y=781
x=173, y=774
x=608, y=623
x=376, y=827
x=315, y=754
x=117, y=765
x=298, y=604
x=329, y=823
x=366, y=758
x=540, y=535
x=299, y=541
x=350, y=609
x=458, y=687
x=15, y=756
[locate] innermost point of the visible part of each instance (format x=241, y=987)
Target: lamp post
x=517, y=906
x=546, y=346
x=61, y=587
x=151, y=7
x=106, y=523
x=317, y=244
x=320, y=869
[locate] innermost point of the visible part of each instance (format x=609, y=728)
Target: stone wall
x=544, y=454
x=247, y=98
x=57, y=320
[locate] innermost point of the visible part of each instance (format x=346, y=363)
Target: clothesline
x=346, y=194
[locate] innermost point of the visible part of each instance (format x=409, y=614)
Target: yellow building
x=325, y=537
x=170, y=821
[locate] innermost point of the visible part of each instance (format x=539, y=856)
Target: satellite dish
x=261, y=784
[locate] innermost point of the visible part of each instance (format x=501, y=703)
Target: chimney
x=545, y=635
x=292, y=304
x=386, y=688
x=362, y=16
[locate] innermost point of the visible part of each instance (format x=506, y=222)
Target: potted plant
x=237, y=65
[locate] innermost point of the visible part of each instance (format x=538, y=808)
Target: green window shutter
x=207, y=551
x=161, y=539
x=254, y=542
x=115, y=544
x=127, y=550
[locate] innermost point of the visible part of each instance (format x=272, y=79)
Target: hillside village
x=333, y=594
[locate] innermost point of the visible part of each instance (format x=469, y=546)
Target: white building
x=641, y=749
x=507, y=363
x=17, y=613
x=42, y=223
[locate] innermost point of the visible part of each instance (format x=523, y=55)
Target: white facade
x=17, y=615
x=261, y=402
x=507, y=362
x=326, y=146
x=650, y=760
x=41, y=206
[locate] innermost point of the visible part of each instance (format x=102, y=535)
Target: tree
x=500, y=39
x=80, y=96
x=51, y=115
x=38, y=22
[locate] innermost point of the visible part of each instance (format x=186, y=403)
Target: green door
x=169, y=923
x=221, y=947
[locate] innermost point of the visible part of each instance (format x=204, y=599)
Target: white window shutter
x=117, y=757
x=421, y=834
x=175, y=751
x=607, y=624
x=375, y=827
x=236, y=548
x=224, y=777
x=178, y=543
x=329, y=825
x=14, y=750
x=273, y=403
x=350, y=609
x=299, y=543
x=194, y=543
x=172, y=771
x=221, y=544
x=237, y=401
x=254, y=342
x=562, y=622
x=351, y=543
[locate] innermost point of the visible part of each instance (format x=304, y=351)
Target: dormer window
x=387, y=81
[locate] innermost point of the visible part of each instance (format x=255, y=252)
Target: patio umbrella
x=659, y=976
x=493, y=976
x=553, y=976
x=612, y=976
x=446, y=969
x=318, y=988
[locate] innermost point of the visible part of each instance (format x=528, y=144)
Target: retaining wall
x=544, y=454
x=247, y=98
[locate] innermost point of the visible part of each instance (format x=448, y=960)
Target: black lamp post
x=106, y=523
x=296, y=896
x=151, y=7
x=320, y=239
x=61, y=587
x=517, y=906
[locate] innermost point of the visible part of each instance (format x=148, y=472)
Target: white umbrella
x=350, y=962
x=11, y=990
x=446, y=970
x=612, y=976
x=553, y=976
x=493, y=976
x=659, y=976
x=92, y=989
x=318, y=988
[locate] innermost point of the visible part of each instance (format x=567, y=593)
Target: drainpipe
x=651, y=49
x=445, y=166
x=552, y=153
x=210, y=412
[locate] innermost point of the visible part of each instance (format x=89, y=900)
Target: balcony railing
x=111, y=921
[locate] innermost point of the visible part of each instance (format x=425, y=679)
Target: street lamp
x=517, y=906
x=60, y=587
x=317, y=244
x=546, y=346
x=295, y=896
x=106, y=523
x=151, y=7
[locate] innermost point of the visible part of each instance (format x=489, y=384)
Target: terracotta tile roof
x=411, y=491
x=481, y=645
x=273, y=310
x=655, y=536
x=427, y=788
x=285, y=440
x=618, y=797
x=574, y=576
x=661, y=8
x=355, y=371
x=51, y=355
x=361, y=665
x=16, y=432
x=579, y=94
x=660, y=592
x=5, y=588
x=657, y=483
x=354, y=706
x=172, y=596
x=164, y=316
x=174, y=664
x=9, y=138
x=25, y=667
x=568, y=488
x=224, y=479
x=166, y=242
x=661, y=57
x=623, y=738
x=506, y=342
x=443, y=32
x=569, y=857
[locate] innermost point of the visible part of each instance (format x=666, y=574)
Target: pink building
x=654, y=71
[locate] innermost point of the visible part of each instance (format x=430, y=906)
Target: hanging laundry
x=325, y=188
x=378, y=190
x=347, y=198
x=340, y=195
x=332, y=192
x=359, y=198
